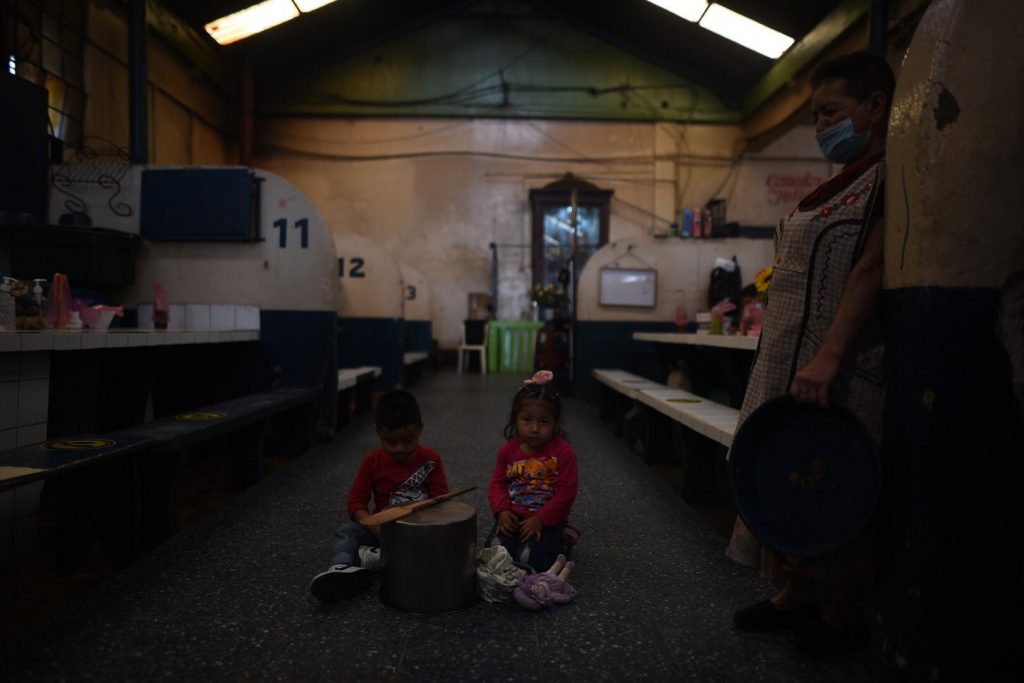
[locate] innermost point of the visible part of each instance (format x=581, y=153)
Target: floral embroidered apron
x=816, y=246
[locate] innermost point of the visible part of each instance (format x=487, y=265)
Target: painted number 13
x=302, y=224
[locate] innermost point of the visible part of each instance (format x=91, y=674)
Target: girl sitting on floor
x=535, y=479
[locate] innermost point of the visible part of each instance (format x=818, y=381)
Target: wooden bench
x=355, y=391
x=124, y=487
x=709, y=427
x=713, y=420
x=414, y=364
x=619, y=392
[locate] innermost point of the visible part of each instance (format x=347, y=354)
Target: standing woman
x=821, y=339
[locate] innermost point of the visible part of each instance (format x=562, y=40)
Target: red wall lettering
x=790, y=189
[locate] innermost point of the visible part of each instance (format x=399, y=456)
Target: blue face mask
x=840, y=143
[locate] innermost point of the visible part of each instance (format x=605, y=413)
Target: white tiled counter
x=25, y=369
x=57, y=340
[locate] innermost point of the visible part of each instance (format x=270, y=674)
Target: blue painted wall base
x=418, y=335
x=299, y=350
x=372, y=341
x=952, y=452
x=610, y=344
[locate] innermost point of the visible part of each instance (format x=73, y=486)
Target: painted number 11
x=302, y=224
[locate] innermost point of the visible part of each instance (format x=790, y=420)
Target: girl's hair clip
x=539, y=377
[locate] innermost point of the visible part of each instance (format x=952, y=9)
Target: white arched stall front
x=369, y=307
x=257, y=257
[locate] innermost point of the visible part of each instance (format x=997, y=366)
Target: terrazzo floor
x=227, y=599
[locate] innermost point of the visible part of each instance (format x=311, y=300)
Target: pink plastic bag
x=719, y=310
x=96, y=317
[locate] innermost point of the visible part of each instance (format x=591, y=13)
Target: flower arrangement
x=763, y=279
x=547, y=296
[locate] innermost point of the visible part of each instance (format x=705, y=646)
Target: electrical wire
x=468, y=95
x=619, y=200
x=472, y=91
x=381, y=141
x=560, y=143
x=457, y=153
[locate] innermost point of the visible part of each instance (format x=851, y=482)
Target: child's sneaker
x=369, y=558
x=339, y=582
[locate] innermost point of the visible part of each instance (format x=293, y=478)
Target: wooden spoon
x=398, y=512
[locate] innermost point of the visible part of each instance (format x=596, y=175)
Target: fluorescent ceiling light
x=310, y=5
x=746, y=32
x=691, y=10
x=250, y=20
x=260, y=17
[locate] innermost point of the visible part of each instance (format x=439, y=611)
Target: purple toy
x=536, y=591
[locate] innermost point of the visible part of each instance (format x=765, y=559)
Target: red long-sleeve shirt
x=542, y=484
x=389, y=482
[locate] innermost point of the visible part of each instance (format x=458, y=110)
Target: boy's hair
x=397, y=409
x=749, y=290
x=863, y=72
x=543, y=393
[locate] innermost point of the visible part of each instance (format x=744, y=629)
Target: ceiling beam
x=192, y=46
x=804, y=53
x=282, y=56
x=688, y=72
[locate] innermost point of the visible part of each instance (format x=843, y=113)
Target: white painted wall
x=436, y=192
x=684, y=268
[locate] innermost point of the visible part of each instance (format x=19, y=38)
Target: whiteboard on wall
x=637, y=287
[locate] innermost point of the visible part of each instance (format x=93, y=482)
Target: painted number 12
x=355, y=267
x=302, y=224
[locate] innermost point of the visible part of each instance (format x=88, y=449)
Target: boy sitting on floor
x=400, y=471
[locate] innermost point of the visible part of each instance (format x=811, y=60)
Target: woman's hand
x=860, y=299
x=811, y=384
x=508, y=523
x=530, y=527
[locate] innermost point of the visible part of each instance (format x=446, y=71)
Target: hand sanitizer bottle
x=37, y=295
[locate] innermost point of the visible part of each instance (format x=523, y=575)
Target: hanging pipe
x=138, y=91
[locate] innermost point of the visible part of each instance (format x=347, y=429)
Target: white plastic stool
x=473, y=348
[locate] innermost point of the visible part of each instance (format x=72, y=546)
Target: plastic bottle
x=709, y=225
x=8, y=320
x=37, y=296
x=687, y=223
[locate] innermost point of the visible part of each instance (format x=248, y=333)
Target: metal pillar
x=137, y=83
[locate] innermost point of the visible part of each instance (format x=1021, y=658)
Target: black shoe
x=340, y=582
x=765, y=616
x=818, y=638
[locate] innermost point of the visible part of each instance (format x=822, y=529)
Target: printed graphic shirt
x=541, y=484
x=389, y=482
